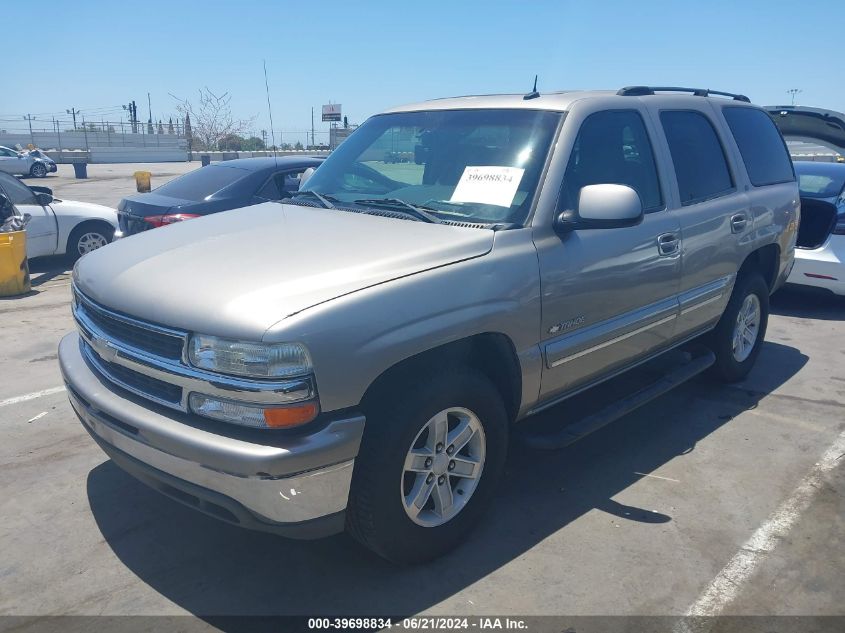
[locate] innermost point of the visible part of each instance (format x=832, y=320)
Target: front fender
x=355, y=338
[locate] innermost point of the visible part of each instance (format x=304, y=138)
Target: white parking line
x=727, y=585
x=31, y=396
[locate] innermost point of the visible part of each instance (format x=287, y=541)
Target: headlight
x=256, y=360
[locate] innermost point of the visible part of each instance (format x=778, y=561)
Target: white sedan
x=820, y=252
x=59, y=227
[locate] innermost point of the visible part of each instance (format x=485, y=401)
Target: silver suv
x=355, y=357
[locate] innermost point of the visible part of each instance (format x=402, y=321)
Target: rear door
x=713, y=212
x=41, y=232
x=609, y=295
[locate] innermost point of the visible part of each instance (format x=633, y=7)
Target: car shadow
x=808, y=302
x=211, y=569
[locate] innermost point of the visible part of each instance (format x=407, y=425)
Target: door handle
x=668, y=244
x=738, y=222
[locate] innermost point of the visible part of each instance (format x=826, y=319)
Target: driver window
x=613, y=148
x=17, y=192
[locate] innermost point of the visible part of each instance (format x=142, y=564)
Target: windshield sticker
x=488, y=185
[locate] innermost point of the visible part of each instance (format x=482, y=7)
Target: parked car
x=41, y=155
x=59, y=227
x=357, y=355
x=219, y=187
x=24, y=163
x=820, y=256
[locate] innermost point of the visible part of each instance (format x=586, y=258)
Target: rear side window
x=700, y=165
x=203, y=182
x=762, y=148
x=613, y=148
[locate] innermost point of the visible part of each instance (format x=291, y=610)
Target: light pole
x=29, y=118
x=793, y=92
x=74, y=112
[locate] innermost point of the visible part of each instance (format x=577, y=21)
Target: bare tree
x=211, y=117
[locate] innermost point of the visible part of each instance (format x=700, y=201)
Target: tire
x=88, y=237
x=38, y=170
x=381, y=486
x=735, y=360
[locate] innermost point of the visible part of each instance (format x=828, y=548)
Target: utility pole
x=312, y=127
x=74, y=112
x=793, y=92
x=29, y=118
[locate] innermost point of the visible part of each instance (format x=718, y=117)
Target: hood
x=236, y=275
x=810, y=125
x=152, y=203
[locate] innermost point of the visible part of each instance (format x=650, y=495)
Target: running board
x=702, y=359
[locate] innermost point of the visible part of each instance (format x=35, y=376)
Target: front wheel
x=428, y=466
x=38, y=170
x=85, y=239
x=737, y=339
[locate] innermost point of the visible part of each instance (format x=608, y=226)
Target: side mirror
x=602, y=207
x=43, y=198
x=305, y=176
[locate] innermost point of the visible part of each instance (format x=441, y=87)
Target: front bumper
x=822, y=267
x=296, y=485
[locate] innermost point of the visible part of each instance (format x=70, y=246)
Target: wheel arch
x=764, y=260
x=491, y=353
x=87, y=225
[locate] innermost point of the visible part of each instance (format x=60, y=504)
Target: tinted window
x=17, y=192
x=761, y=146
x=613, y=148
x=270, y=190
x=700, y=165
x=202, y=183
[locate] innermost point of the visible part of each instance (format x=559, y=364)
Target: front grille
x=132, y=333
x=136, y=382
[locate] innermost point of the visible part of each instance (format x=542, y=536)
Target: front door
x=609, y=295
x=41, y=232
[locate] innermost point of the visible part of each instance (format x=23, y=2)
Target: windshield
x=820, y=180
x=461, y=165
x=202, y=183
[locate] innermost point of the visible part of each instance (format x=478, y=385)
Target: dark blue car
x=217, y=187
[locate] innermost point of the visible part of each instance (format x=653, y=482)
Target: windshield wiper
x=324, y=200
x=397, y=204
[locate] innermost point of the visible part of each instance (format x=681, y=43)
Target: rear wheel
x=38, y=170
x=429, y=463
x=737, y=339
x=88, y=237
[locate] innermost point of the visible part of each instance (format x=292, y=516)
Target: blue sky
x=98, y=54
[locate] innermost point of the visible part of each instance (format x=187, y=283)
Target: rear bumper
x=822, y=267
x=294, y=485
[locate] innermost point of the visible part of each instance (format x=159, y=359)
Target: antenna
x=533, y=94
x=270, y=111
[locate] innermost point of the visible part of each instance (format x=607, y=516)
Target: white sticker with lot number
x=488, y=184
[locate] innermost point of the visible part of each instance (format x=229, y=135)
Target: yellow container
x=142, y=181
x=14, y=268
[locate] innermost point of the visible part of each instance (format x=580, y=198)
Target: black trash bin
x=206, y=160
x=80, y=170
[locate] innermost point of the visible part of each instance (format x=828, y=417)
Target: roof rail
x=639, y=91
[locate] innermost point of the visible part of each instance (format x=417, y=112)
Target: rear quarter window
x=761, y=146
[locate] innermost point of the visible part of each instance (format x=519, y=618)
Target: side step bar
x=702, y=359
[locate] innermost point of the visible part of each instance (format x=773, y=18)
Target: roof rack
x=639, y=91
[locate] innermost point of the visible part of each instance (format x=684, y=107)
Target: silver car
x=356, y=356
x=34, y=163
